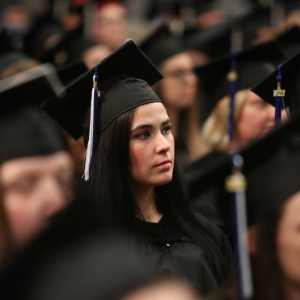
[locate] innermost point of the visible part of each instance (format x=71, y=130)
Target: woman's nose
x=162, y=144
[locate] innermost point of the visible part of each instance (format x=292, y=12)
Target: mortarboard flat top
x=127, y=61
x=159, y=30
x=290, y=42
x=71, y=71
x=290, y=73
x=33, y=86
x=271, y=166
x=251, y=68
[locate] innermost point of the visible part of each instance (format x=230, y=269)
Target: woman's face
x=288, y=240
x=179, y=86
x=151, y=146
x=34, y=189
x=255, y=120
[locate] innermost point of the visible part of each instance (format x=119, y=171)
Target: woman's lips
x=164, y=165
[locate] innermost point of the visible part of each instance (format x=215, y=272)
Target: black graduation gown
x=175, y=253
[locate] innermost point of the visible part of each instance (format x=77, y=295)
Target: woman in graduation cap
x=272, y=190
x=131, y=168
x=253, y=117
x=36, y=171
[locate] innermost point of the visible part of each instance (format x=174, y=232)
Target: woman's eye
x=167, y=129
x=24, y=185
x=143, y=135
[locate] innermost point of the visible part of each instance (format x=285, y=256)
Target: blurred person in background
x=36, y=171
x=253, y=117
x=178, y=91
x=271, y=168
x=109, y=24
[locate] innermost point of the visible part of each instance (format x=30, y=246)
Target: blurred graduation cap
x=23, y=132
x=11, y=57
x=271, y=166
x=162, y=42
x=33, y=86
x=253, y=65
x=123, y=79
x=158, y=31
x=69, y=49
x=290, y=42
x=290, y=73
x=213, y=41
x=69, y=72
x=75, y=258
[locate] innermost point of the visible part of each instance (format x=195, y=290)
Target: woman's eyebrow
x=144, y=126
x=165, y=122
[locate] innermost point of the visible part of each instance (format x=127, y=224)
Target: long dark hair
x=111, y=185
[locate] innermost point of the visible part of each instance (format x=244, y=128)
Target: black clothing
x=175, y=253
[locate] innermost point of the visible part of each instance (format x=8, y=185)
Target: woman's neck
x=145, y=199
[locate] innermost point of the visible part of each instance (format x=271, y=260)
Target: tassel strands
x=236, y=185
x=279, y=95
x=89, y=155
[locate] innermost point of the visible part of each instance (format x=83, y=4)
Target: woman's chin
x=163, y=181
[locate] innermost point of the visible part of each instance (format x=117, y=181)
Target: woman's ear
x=251, y=240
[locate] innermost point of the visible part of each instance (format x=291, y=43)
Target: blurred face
x=151, y=146
x=179, y=85
x=35, y=188
x=288, y=240
x=256, y=119
x=110, y=25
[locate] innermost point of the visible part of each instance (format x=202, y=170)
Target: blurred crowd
x=64, y=238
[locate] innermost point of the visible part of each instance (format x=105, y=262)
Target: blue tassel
x=279, y=97
x=232, y=78
x=236, y=185
x=89, y=156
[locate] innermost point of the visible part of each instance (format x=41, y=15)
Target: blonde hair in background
x=215, y=127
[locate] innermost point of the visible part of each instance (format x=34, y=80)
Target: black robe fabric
x=175, y=253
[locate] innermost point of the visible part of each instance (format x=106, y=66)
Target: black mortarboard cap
x=271, y=166
x=158, y=31
x=124, y=82
x=8, y=58
x=33, y=86
x=290, y=73
x=253, y=65
x=69, y=72
x=214, y=41
x=23, y=132
x=161, y=50
x=290, y=42
x=70, y=48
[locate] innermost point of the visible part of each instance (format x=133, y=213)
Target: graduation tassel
x=279, y=95
x=236, y=185
x=93, y=123
x=232, y=78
